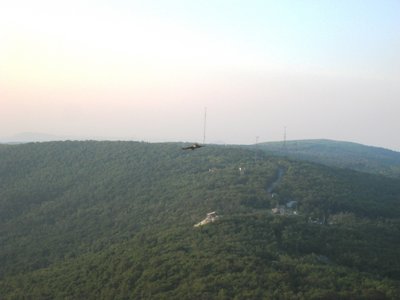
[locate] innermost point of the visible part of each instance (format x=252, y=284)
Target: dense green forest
x=339, y=154
x=114, y=220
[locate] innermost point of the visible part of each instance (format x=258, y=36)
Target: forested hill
x=339, y=154
x=114, y=220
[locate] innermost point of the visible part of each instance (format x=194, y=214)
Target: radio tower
x=204, y=129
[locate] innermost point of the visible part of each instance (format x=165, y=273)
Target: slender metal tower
x=205, y=122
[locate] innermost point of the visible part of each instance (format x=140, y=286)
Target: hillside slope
x=102, y=220
x=339, y=154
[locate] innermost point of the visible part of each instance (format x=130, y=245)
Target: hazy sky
x=146, y=70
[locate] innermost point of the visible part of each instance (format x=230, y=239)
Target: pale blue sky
x=147, y=69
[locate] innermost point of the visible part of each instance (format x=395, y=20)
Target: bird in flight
x=193, y=147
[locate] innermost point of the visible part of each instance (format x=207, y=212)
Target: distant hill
x=26, y=137
x=29, y=137
x=339, y=154
x=115, y=220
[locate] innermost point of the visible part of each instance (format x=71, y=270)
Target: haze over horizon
x=147, y=69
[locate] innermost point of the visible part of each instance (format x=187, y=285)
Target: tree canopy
x=114, y=220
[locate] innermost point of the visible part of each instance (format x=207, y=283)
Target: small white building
x=211, y=217
x=279, y=210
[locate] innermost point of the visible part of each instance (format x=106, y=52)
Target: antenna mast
x=205, y=121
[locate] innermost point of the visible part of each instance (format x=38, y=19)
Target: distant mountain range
x=28, y=137
x=338, y=154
